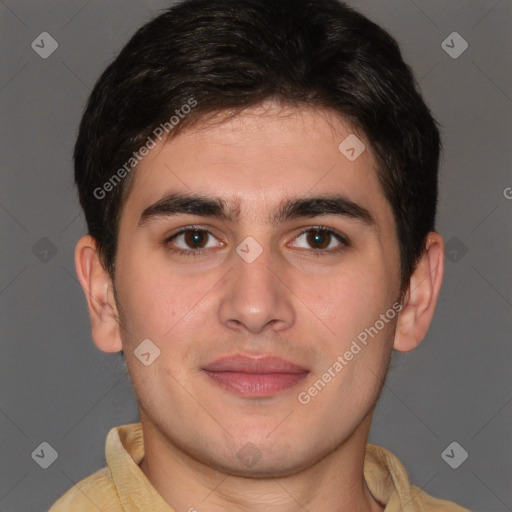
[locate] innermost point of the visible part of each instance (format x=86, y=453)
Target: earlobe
x=98, y=289
x=421, y=297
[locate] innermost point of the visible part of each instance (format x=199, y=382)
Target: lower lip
x=256, y=384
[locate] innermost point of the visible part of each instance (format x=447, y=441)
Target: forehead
x=259, y=157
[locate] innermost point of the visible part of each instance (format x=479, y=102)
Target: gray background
x=55, y=386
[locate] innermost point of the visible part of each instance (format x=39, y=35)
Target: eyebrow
x=290, y=208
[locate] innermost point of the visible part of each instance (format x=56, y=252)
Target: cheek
x=348, y=299
x=152, y=298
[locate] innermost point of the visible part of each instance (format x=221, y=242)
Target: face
x=305, y=283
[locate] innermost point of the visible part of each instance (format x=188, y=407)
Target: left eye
x=321, y=238
x=193, y=239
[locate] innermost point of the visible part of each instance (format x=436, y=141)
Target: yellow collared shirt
x=121, y=486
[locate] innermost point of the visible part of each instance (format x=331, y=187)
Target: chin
x=275, y=467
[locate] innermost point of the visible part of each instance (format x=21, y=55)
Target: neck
x=334, y=483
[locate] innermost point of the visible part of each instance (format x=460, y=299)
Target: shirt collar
x=385, y=476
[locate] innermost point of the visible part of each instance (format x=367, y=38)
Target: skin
x=291, y=302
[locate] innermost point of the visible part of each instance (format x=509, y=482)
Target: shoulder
x=389, y=482
x=97, y=491
x=427, y=503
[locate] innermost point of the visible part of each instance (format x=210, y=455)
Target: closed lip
x=253, y=364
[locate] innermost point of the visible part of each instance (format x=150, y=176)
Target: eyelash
x=317, y=252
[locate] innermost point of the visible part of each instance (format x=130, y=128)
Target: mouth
x=254, y=377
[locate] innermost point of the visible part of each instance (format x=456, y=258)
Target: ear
x=98, y=290
x=421, y=296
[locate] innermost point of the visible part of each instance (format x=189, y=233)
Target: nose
x=256, y=295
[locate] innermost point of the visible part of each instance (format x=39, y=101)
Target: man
x=259, y=180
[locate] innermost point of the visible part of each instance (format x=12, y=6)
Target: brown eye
x=195, y=239
x=319, y=238
x=192, y=241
